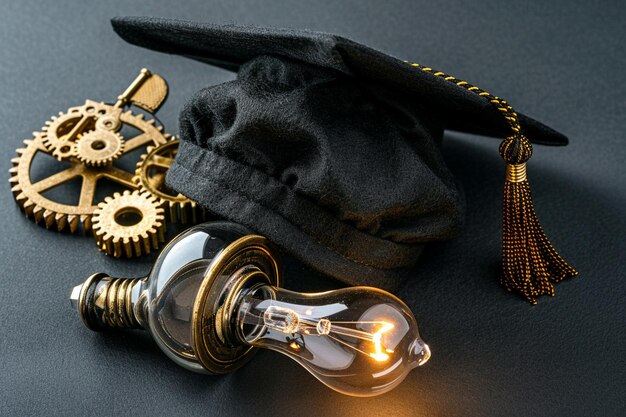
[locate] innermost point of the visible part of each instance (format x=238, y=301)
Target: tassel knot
x=516, y=149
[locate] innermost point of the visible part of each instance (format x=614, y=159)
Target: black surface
x=493, y=353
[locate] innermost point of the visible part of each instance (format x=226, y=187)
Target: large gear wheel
x=60, y=132
x=150, y=176
x=29, y=194
x=129, y=224
x=99, y=148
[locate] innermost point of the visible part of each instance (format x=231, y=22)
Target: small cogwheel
x=150, y=177
x=129, y=224
x=60, y=132
x=99, y=148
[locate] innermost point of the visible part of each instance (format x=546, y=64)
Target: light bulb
x=359, y=341
x=214, y=297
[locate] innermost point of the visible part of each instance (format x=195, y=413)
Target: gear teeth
x=178, y=208
x=128, y=248
x=119, y=240
x=28, y=208
x=48, y=218
x=38, y=213
x=186, y=212
x=85, y=220
x=112, y=148
x=19, y=194
x=51, y=141
x=60, y=220
x=53, y=215
x=72, y=221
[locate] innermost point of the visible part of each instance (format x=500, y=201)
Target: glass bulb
x=214, y=297
x=359, y=341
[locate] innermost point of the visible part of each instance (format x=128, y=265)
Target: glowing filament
x=378, y=354
x=286, y=320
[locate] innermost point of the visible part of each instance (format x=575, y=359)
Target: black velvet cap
x=326, y=146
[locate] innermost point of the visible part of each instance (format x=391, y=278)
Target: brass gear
x=29, y=195
x=150, y=177
x=99, y=148
x=129, y=224
x=60, y=132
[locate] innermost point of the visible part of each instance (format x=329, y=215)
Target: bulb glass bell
x=214, y=296
x=359, y=341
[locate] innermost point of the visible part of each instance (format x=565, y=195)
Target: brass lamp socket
x=104, y=302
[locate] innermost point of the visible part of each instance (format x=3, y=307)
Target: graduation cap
x=332, y=150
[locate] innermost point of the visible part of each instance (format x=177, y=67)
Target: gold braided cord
x=530, y=264
x=500, y=104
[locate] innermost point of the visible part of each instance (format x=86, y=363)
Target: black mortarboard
x=331, y=149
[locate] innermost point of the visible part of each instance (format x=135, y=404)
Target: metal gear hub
x=99, y=148
x=129, y=224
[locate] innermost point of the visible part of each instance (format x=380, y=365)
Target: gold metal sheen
x=123, y=98
x=82, y=299
x=129, y=240
x=69, y=137
x=99, y=148
x=222, y=282
x=107, y=302
x=516, y=173
x=150, y=176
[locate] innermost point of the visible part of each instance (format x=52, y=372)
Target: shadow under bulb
x=214, y=297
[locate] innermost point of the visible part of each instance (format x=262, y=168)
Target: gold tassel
x=530, y=264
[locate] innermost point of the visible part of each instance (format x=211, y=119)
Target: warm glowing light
x=378, y=354
x=286, y=320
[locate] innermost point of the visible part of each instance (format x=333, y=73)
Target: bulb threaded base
x=104, y=302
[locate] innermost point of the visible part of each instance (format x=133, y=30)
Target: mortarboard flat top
x=230, y=46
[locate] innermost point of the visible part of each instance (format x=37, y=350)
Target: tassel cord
x=530, y=264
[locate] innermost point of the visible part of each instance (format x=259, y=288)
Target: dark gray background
x=493, y=353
